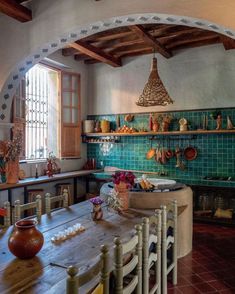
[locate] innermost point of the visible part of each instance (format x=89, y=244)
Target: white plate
x=157, y=182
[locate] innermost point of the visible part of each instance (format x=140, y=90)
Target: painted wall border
x=11, y=83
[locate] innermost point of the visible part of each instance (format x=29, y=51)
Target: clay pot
x=25, y=241
x=12, y=171
x=123, y=195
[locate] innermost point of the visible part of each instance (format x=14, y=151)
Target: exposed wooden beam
x=109, y=35
x=139, y=30
x=189, y=32
x=96, y=53
x=15, y=10
x=185, y=41
x=196, y=43
x=134, y=50
x=228, y=43
x=124, y=54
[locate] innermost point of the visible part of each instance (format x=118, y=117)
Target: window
x=47, y=109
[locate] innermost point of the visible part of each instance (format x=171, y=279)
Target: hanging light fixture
x=154, y=92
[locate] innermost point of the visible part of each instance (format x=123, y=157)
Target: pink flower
x=126, y=177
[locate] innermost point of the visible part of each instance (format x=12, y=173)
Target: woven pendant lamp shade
x=154, y=92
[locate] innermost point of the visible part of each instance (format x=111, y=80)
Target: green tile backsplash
x=216, y=152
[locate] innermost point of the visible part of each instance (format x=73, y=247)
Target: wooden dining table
x=46, y=272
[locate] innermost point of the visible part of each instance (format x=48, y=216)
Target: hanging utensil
x=177, y=154
x=190, y=152
x=151, y=152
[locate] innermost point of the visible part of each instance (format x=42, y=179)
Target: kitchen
x=198, y=79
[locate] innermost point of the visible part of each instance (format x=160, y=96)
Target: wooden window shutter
x=19, y=113
x=70, y=146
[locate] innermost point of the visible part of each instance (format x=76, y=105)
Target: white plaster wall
x=66, y=164
x=73, y=66
x=195, y=78
x=55, y=19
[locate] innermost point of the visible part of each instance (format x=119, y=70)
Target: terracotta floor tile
x=228, y=291
x=189, y=290
x=194, y=279
x=174, y=291
x=210, y=267
x=230, y=282
x=205, y=288
x=208, y=276
x=219, y=285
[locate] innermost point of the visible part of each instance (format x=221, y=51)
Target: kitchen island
x=148, y=201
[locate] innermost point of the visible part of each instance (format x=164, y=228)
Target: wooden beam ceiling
x=228, y=43
x=150, y=40
x=184, y=41
x=112, y=45
x=96, y=53
x=13, y=9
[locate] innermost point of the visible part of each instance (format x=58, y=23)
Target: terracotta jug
x=123, y=191
x=25, y=241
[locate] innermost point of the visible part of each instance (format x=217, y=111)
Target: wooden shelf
x=198, y=132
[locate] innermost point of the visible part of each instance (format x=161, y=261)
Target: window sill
x=35, y=161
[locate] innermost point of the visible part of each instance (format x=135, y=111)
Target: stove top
x=219, y=178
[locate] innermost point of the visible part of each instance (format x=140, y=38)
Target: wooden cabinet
x=206, y=200
x=70, y=115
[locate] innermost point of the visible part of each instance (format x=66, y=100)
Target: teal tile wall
x=216, y=153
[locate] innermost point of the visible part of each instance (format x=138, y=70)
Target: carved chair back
x=132, y=271
x=99, y=268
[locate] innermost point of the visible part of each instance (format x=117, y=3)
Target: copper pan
x=190, y=153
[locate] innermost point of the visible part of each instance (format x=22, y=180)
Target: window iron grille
x=37, y=97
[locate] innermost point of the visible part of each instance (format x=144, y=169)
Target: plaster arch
x=79, y=32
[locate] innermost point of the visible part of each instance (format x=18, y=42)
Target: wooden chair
x=20, y=208
x=61, y=199
x=5, y=212
x=121, y=271
x=169, y=243
x=31, y=195
x=152, y=252
x=60, y=187
x=101, y=267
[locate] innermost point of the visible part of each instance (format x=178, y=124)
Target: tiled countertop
x=185, y=180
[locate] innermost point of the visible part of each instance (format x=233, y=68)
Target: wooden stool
x=60, y=188
x=32, y=194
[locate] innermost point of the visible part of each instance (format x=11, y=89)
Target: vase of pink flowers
x=96, y=213
x=123, y=182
